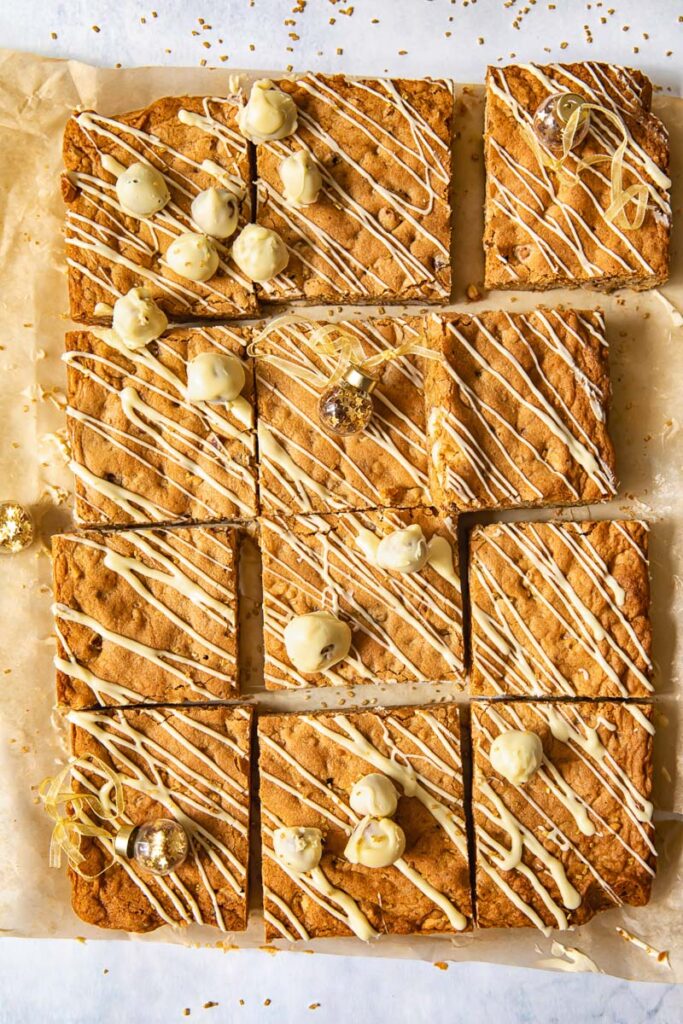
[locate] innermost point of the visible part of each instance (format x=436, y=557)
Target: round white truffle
x=516, y=755
x=269, y=113
x=374, y=795
x=301, y=178
x=142, y=190
x=214, y=377
x=300, y=849
x=259, y=252
x=316, y=641
x=215, y=211
x=193, y=256
x=375, y=843
x=403, y=550
x=137, y=319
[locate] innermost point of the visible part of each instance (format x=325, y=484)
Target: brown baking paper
x=646, y=344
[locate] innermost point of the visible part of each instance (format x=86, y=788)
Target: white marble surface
x=70, y=983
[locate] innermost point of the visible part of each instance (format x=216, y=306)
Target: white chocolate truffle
x=269, y=113
x=403, y=550
x=259, y=252
x=516, y=755
x=216, y=212
x=214, y=377
x=301, y=178
x=375, y=843
x=193, y=256
x=316, y=641
x=137, y=319
x=142, y=190
x=300, y=849
x=374, y=795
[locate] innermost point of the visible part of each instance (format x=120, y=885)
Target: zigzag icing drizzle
x=496, y=860
x=553, y=227
x=322, y=253
x=85, y=234
x=182, y=568
x=510, y=484
x=401, y=447
x=199, y=451
x=508, y=664
x=187, y=794
x=397, y=764
x=349, y=581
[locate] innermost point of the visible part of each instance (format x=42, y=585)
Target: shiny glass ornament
x=160, y=845
x=552, y=117
x=16, y=527
x=346, y=407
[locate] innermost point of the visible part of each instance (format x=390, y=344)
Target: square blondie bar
x=517, y=409
x=577, y=836
x=561, y=610
x=142, y=452
x=191, y=765
x=549, y=228
x=380, y=228
x=308, y=766
x=194, y=142
x=145, y=616
x=407, y=626
x=302, y=468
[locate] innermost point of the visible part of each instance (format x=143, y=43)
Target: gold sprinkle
x=441, y=964
x=96, y=28
x=206, y=45
x=339, y=51
x=53, y=35
x=210, y=1004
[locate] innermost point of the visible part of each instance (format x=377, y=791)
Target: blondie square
x=553, y=228
x=194, y=142
x=145, y=616
x=308, y=766
x=407, y=626
x=380, y=229
x=304, y=469
x=561, y=609
x=517, y=410
x=191, y=765
x=577, y=837
x=142, y=451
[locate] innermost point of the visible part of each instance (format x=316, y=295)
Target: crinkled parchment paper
x=36, y=97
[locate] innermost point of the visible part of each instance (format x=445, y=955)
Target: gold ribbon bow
x=332, y=341
x=70, y=811
x=620, y=198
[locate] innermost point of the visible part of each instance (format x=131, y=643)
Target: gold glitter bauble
x=159, y=846
x=16, y=527
x=552, y=117
x=347, y=407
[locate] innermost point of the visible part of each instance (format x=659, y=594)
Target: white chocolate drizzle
x=295, y=478
x=351, y=585
x=210, y=802
x=172, y=576
x=467, y=459
x=510, y=658
x=209, y=454
x=445, y=805
x=548, y=218
x=567, y=725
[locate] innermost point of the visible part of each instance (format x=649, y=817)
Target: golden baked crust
x=146, y=616
x=308, y=764
x=167, y=459
x=304, y=469
x=596, y=777
x=546, y=229
x=517, y=409
x=380, y=229
x=406, y=627
x=109, y=252
x=171, y=762
x=561, y=609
